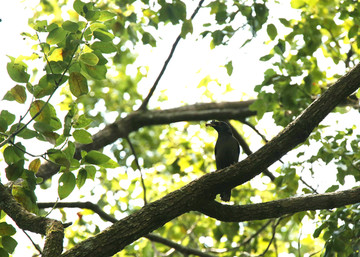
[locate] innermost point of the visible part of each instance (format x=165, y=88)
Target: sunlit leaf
x=35, y=165
x=78, y=84
x=89, y=59
x=56, y=36
x=70, y=26
x=272, y=31
x=17, y=71
x=95, y=157
x=96, y=72
x=82, y=136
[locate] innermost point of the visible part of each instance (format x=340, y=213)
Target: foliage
x=86, y=79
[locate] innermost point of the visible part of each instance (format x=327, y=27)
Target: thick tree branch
x=201, y=191
x=152, y=237
x=52, y=229
x=278, y=208
x=123, y=127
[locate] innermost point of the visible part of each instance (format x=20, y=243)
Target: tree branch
x=247, y=149
x=139, y=168
x=201, y=191
x=278, y=208
x=152, y=90
x=123, y=127
x=52, y=229
x=152, y=237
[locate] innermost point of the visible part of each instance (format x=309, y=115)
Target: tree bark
x=201, y=191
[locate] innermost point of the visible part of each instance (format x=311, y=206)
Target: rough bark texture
x=200, y=192
x=54, y=239
x=52, y=229
x=281, y=207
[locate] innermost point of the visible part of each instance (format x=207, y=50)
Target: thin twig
x=32, y=155
x=37, y=247
x=248, y=239
x=246, y=148
x=306, y=184
x=139, y=168
x=255, y=129
x=53, y=207
x=273, y=236
x=152, y=90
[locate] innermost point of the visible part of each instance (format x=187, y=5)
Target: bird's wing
x=226, y=151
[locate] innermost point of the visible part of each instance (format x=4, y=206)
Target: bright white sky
x=191, y=63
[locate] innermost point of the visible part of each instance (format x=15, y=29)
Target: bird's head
x=220, y=126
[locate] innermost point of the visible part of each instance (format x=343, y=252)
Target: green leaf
x=95, y=157
x=19, y=93
x=43, y=111
x=79, y=7
x=49, y=126
x=106, y=15
x=56, y=55
x=229, y=68
x=39, y=25
x=104, y=47
x=81, y=178
x=297, y=4
x=70, y=26
x=45, y=87
x=3, y=252
x=35, y=165
x=186, y=28
x=147, y=38
x=96, y=72
x=353, y=31
x=82, y=121
x=266, y=57
x=8, y=243
x=15, y=170
x=13, y=154
x=91, y=171
x=285, y=22
x=218, y=37
x=56, y=36
x=6, y=229
x=82, y=136
x=333, y=188
x=89, y=59
x=67, y=183
x=78, y=84
x=59, y=157
x=7, y=116
x=70, y=150
x=272, y=31
x=17, y=71
x=103, y=35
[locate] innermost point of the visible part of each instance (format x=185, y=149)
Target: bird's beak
x=211, y=124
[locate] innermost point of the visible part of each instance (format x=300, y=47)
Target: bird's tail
x=225, y=196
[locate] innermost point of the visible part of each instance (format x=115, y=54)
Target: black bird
x=227, y=150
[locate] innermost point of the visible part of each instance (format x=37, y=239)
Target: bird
x=227, y=150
